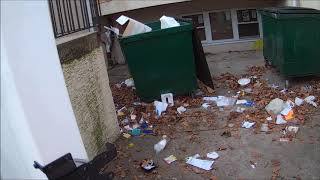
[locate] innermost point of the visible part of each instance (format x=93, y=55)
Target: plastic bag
x=168, y=22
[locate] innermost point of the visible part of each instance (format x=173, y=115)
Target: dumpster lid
x=291, y=10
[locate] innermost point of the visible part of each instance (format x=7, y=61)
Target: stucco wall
x=88, y=86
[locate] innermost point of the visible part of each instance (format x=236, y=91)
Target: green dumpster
x=291, y=39
x=161, y=61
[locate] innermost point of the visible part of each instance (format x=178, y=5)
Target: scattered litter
x=135, y=126
x=125, y=121
x=148, y=165
x=160, y=107
x=242, y=101
x=202, y=164
x=225, y=101
x=240, y=109
x=120, y=113
x=248, y=90
x=244, y=81
x=126, y=135
x=144, y=125
x=290, y=104
x=133, y=117
x=118, y=85
x=205, y=105
x=147, y=131
x=269, y=118
x=293, y=129
x=167, y=98
x=210, y=98
x=310, y=100
x=161, y=144
x=274, y=86
x=168, y=22
x=137, y=103
x=286, y=111
x=298, y=101
x=284, y=139
x=129, y=82
x=212, y=155
x=170, y=159
x=198, y=92
x=222, y=148
x=181, y=109
x=133, y=27
x=253, y=164
x=249, y=103
x=264, y=127
x=280, y=120
x=275, y=106
x=136, y=132
x=127, y=127
x=289, y=116
x=230, y=125
x=226, y=133
x=247, y=124
x=131, y=145
x=284, y=91
x=121, y=110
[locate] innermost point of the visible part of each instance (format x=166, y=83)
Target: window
x=248, y=25
x=226, y=25
x=221, y=25
x=198, y=22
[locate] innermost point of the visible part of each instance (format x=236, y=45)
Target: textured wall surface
x=88, y=86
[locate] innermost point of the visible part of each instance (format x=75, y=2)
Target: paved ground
x=297, y=159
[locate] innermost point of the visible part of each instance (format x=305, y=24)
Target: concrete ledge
x=76, y=45
x=230, y=46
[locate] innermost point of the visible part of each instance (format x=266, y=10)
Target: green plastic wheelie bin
x=291, y=37
x=161, y=61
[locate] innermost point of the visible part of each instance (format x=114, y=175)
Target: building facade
x=222, y=25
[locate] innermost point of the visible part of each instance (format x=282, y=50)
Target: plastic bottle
x=161, y=144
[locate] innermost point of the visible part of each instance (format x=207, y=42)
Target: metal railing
x=70, y=16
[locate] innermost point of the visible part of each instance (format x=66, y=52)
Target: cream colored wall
x=315, y=4
x=86, y=77
x=115, y=6
x=311, y=4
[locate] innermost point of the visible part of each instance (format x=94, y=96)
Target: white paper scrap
x=202, y=164
x=212, y=155
x=181, y=109
x=286, y=111
x=122, y=19
x=160, y=107
x=247, y=124
x=280, y=120
x=205, y=105
x=242, y=101
x=298, y=101
x=210, y=98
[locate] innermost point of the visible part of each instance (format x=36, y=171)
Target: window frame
x=235, y=23
x=250, y=22
x=204, y=23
